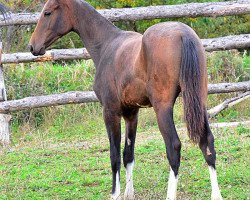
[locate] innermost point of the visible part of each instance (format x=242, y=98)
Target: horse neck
x=95, y=31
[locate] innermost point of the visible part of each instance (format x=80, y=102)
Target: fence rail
x=89, y=96
x=214, y=44
x=213, y=9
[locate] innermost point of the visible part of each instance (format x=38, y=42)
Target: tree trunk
x=4, y=118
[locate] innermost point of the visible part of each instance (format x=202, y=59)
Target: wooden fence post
x=4, y=118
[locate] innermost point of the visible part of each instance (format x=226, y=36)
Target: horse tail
x=191, y=82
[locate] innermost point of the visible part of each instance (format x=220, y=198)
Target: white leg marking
x=172, y=185
x=129, y=191
x=129, y=142
x=116, y=194
x=214, y=183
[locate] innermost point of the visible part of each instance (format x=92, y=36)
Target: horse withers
x=134, y=71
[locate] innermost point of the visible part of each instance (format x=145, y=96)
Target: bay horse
x=135, y=71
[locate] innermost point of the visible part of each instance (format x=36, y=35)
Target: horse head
x=53, y=23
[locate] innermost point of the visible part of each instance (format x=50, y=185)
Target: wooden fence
x=213, y=44
x=184, y=10
x=214, y=9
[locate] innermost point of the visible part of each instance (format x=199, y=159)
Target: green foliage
x=27, y=5
x=40, y=79
x=246, y=62
x=228, y=66
x=48, y=78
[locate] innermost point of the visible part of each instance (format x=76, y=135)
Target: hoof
x=129, y=195
x=115, y=197
x=216, y=197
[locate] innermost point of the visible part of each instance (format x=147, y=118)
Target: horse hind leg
x=130, y=117
x=206, y=145
x=164, y=113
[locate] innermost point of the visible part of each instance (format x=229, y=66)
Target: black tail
x=191, y=86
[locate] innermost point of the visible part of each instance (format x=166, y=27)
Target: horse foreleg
x=173, y=146
x=130, y=117
x=113, y=126
x=207, y=146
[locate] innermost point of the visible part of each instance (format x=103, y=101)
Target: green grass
x=80, y=168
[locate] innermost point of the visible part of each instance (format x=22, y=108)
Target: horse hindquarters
x=176, y=62
x=163, y=67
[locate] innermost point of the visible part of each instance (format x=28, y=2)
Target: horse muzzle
x=37, y=51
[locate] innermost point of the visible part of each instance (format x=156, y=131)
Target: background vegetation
x=62, y=152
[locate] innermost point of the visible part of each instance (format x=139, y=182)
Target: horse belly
x=135, y=95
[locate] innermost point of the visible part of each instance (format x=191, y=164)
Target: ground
x=80, y=169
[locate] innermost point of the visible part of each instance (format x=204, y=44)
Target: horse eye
x=47, y=13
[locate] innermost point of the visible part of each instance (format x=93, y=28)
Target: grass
x=80, y=169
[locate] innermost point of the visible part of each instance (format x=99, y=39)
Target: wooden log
x=47, y=101
x=229, y=124
x=214, y=44
x=4, y=118
x=52, y=55
x=228, y=103
x=228, y=87
x=225, y=43
x=213, y=9
x=5, y=129
x=3, y=96
x=86, y=97
x=218, y=125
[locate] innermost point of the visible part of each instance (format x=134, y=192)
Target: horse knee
x=207, y=147
x=177, y=145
